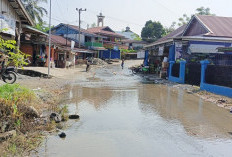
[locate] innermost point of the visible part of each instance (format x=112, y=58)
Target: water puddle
x=122, y=117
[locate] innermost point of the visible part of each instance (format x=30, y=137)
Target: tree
x=170, y=29
x=203, y=11
x=93, y=25
x=42, y=27
x=136, y=37
x=36, y=11
x=183, y=20
x=10, y=48
x=199, y=11
x=152, y=31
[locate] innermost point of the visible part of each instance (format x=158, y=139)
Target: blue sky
x=133, y=13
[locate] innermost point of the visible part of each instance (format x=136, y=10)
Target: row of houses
x=199, y=53
x=67, y=47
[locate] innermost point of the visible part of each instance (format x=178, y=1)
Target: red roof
x=55, y=39
x=101, y=31
x=218, y=26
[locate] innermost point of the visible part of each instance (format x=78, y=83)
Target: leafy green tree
x=183, y=20
x=170, y=29
x=93, y=25
x=36, y=11
x=152, y=31
x=199, y=11
x=203, y=11
x=42, y=27
x=136, y=37
x=10, y=48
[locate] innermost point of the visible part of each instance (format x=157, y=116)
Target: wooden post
x=19, y=34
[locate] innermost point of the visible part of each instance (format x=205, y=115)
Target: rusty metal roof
x=176, y=33
x=56, y=39
x=217, y=26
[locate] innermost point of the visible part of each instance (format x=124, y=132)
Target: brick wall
x=27, y=49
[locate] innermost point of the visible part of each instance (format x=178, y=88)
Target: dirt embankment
x=26, y=108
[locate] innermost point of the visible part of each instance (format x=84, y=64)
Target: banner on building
x=161, y=51
x=204, y=48
x=141, y=54
x=7, y=25
x=178, y=50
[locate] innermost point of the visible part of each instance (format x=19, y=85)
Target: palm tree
x=36, y=11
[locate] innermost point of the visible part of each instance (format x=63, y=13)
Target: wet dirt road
x=122, y=115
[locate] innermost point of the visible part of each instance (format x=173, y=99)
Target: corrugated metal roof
x=218, y=26
x=176, y=33
x=56, y=39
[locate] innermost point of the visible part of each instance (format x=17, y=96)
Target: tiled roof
x=218, y=26
x=101, y=31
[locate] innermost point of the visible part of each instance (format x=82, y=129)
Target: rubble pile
x=98, y=61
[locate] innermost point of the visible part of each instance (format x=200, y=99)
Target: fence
x=217, y=89
x=219, y=75
x=176, y=70
x=110, y=54
x=193, y=74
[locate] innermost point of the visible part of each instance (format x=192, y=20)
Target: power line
x=61, y=11
x=168, y=9
x=116, y=19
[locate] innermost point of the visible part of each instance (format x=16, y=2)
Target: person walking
x=122, y=65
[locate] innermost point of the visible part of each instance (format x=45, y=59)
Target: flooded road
x=122, y=115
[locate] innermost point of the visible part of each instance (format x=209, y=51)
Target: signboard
x=203, y=48
x=161, y=51
x=141, y=54
x=178, y=50
x=72, y=44
x=7, y=23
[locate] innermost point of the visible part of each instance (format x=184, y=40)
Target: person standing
x=122, y=65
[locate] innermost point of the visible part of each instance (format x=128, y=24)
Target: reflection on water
x=122, y=117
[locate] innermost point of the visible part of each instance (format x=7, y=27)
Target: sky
x=133, y=13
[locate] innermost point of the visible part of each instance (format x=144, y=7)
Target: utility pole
x=80, y=10
x=49, y=52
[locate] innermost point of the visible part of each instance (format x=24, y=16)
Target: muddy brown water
x=122, y=115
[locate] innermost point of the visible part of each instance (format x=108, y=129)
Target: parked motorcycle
x=7, y=74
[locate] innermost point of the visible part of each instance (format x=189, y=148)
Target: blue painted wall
x=210, y=43
x=62, y=29
x=213, y=88
x=171, y=56
x=110, y=54
x=181, y=78
x=146, y=58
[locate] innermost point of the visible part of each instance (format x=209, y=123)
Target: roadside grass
x=22, y=145
x=64, y=112
x=16, y=94
x=13, y=101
